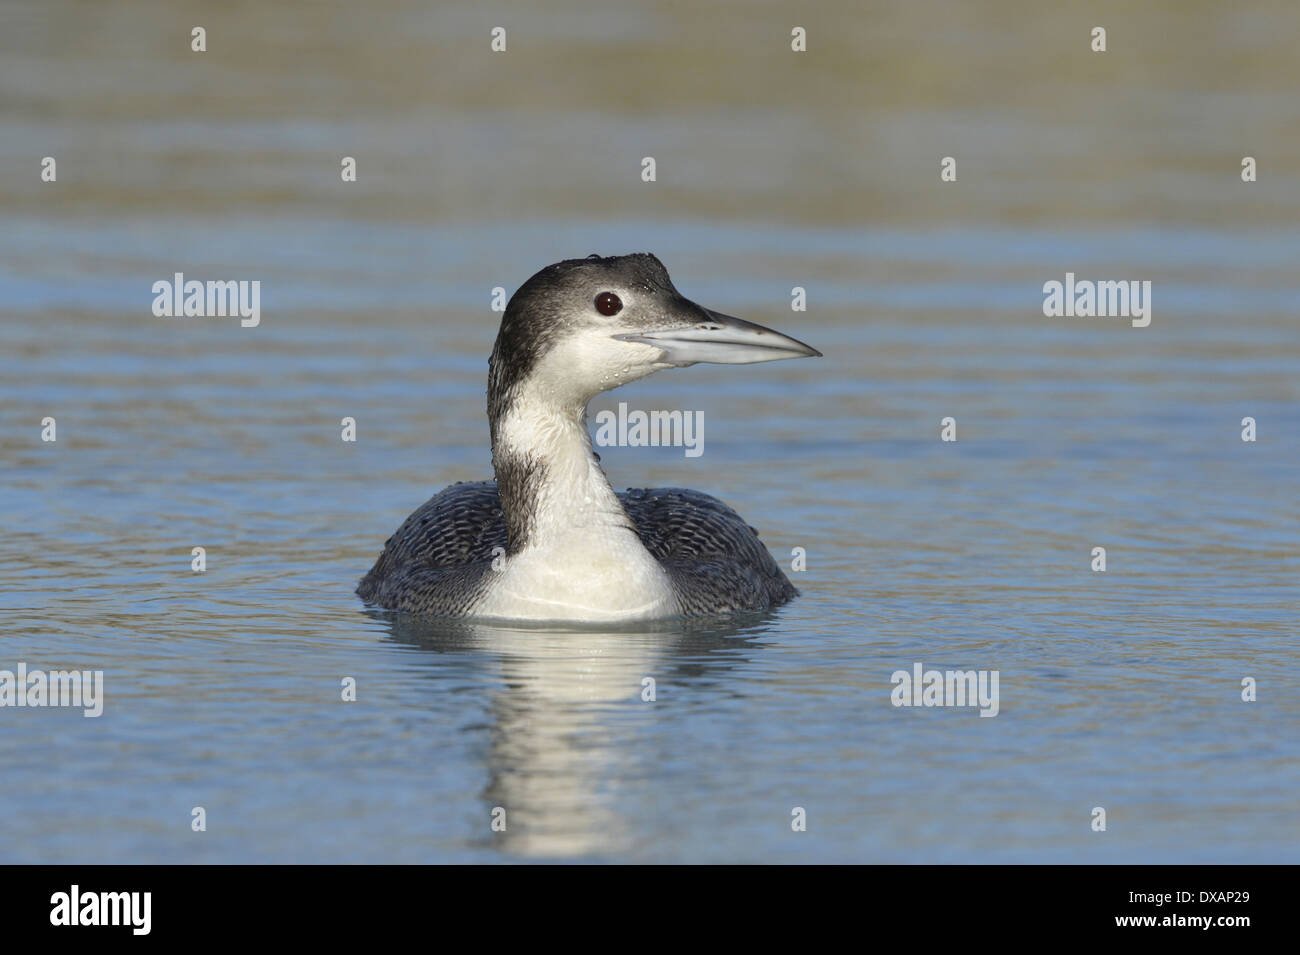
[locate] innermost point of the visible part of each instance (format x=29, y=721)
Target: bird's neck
x=553, y=491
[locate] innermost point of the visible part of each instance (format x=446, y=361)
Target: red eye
x=607, y=303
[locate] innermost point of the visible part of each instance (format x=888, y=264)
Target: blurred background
x=775, y=169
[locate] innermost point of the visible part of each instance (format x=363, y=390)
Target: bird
x=549, y=540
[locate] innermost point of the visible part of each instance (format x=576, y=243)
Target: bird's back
x=440, y=561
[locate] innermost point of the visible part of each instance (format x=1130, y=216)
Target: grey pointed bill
x=722, y=340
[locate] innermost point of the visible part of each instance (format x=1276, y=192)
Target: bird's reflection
x=569, y=717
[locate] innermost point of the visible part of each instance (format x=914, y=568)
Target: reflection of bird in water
x=566, y=755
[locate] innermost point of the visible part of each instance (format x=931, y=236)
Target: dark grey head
x=583, y=326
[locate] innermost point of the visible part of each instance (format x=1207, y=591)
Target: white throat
x=580, y=558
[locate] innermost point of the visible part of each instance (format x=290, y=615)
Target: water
x=1119, y=690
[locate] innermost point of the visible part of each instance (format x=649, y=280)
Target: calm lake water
x=1119, y=689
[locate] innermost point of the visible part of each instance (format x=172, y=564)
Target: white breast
x=602, y=576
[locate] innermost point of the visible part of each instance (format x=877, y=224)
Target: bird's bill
x=723, y=340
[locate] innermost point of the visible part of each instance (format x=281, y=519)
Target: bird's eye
x=607, y=303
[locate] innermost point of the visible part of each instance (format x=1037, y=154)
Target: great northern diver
x=550, y=540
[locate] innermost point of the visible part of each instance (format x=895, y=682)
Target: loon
x=549, y=540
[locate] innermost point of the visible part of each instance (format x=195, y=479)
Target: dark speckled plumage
x=440, y=559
